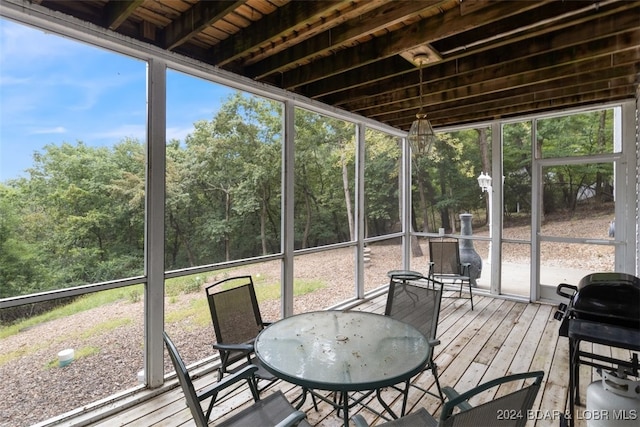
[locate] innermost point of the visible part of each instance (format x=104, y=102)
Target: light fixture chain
x=420, y=111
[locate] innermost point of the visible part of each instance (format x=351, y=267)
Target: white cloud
x=120, y=132
x=11, y=80
x=54, y=67
x=21, y=45
x=57, y=129
x=178, y=133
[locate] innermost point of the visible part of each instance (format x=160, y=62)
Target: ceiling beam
x=514, y=103
x=381, y=18
x=537, y=107
x=393, y=43
x=577, y=59
x=380, y=78
x=512, y=97
x=117, y=12
x=467, y=93
x=196, y=19
x=274, y=32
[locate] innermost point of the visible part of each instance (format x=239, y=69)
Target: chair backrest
x=234, y=310
x=445, y=256
x=416, y=304
x=513, y=406
x=185, y=382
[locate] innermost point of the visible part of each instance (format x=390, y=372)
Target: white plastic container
x=613, y=401
x=65, y=357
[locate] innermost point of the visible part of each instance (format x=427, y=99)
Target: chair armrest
x=359, y=421
x=292, y=419
x=233, y=347
x=461, y=400
x=452, y=394
x=246, y=373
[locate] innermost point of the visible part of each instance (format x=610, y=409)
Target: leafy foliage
x=79, y=216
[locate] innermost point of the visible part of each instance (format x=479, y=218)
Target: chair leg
x=337, y=397
x=434, y=371
x=253, y=386
x=405, y=397
x=213, y=401
x=224, y=361
x=256, y=386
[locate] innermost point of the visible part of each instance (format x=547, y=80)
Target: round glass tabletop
x=404, y=275
x=342, y=350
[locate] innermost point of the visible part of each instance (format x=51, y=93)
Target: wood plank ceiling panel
x=490, y=59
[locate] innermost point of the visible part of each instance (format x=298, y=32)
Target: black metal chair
x=273, y=410
x=446, y=267
x=236, y=321
x=418, y=304
x=509, y=410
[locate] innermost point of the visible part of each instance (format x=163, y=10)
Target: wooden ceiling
x=489, y=59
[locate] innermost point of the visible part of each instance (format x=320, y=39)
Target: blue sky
x=55, y=90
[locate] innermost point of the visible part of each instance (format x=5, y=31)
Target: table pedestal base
x=343, y=402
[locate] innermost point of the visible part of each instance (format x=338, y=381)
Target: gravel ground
x=108, y=340
x=35, y=388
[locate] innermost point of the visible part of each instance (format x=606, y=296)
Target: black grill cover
x=612, y=298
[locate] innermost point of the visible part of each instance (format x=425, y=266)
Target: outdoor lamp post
x=484, y=180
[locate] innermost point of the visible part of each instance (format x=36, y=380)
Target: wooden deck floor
x=497, y=338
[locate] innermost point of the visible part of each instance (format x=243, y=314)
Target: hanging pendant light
x=421, y=136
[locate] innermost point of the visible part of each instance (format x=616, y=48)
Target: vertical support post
x=536, y=214
x=631, y=122
x=495, y=211
x=154, y=229
x=359, y=210
x=627, y=187
x=287, y=224
x=406, y=204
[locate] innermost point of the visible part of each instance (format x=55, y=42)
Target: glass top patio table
x=343, y=351
x=404, y=275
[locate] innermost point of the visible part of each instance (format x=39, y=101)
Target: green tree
x=183, y=215
x=382, y=170
x=569, y=136
x=78, y=220
x=236, y=161
x=445, y=179
x=324, y=148
x=517, y=166
x=19, y=266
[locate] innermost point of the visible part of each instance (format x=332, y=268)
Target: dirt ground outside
x=109, y=339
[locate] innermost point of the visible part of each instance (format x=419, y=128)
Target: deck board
x=498, y=337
